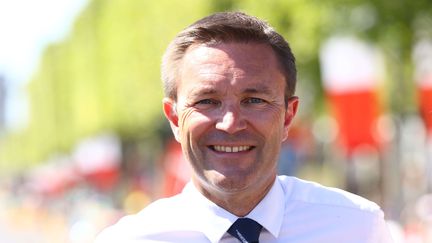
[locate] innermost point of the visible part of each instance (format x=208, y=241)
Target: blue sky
x=26, y=28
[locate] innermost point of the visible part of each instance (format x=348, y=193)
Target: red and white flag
x=98, y=160
x=351, y=71
x=422, y=57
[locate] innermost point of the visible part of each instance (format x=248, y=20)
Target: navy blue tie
x=245, y=230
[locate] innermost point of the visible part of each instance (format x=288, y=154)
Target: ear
x=290, y=112
x=169, y=107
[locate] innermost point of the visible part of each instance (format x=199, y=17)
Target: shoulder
x=330, y=213
x=298, y=190
x=148, y=221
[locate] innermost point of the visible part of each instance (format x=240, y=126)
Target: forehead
x=230, y=65
x=242, y=55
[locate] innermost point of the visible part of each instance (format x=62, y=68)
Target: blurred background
x=83, y=140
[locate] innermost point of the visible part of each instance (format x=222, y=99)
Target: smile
x=231, y=149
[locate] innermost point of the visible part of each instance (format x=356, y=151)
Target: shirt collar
x=269, y=213
x=213, y=220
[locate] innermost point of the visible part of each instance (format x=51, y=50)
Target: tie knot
x=245, y=230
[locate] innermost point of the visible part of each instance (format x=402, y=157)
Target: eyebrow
x=202, y=91
x=258, y=88
x=254, y=89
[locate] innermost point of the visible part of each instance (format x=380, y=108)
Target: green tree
x=103, y=77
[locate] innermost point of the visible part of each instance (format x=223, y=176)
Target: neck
x=239, y=203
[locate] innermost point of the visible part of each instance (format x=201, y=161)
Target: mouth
x=231, y=149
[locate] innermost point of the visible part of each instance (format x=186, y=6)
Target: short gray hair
x=223, y=28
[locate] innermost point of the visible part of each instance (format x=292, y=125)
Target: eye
x=206, y=103
x=253, y=100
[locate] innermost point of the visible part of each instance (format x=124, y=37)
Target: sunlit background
x=83, y=140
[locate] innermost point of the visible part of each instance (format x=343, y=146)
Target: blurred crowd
x=66, y=204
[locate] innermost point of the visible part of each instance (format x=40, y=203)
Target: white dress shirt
x=293, y=210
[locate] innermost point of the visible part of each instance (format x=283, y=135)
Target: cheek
x=270, y=124
x=192, y=124
x=184, y=118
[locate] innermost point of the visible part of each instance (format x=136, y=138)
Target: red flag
x=356, y=114
x=350, y=72
x=423, y=75
x=98, y=160
x=425, y=100
x=176, y=170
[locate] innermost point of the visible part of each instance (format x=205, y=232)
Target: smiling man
x=229, y=82
x=231, y=118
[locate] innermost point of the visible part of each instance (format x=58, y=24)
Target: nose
x=231, y=120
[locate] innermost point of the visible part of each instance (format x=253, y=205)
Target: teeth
x=229, y=149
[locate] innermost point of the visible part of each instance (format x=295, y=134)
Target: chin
x=231, y=184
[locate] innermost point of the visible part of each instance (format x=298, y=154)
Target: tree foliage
x=103, y=78
x=105, y=75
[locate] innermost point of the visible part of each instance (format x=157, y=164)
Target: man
x=229, y=83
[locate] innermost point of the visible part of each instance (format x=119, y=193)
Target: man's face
x=230, y=116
